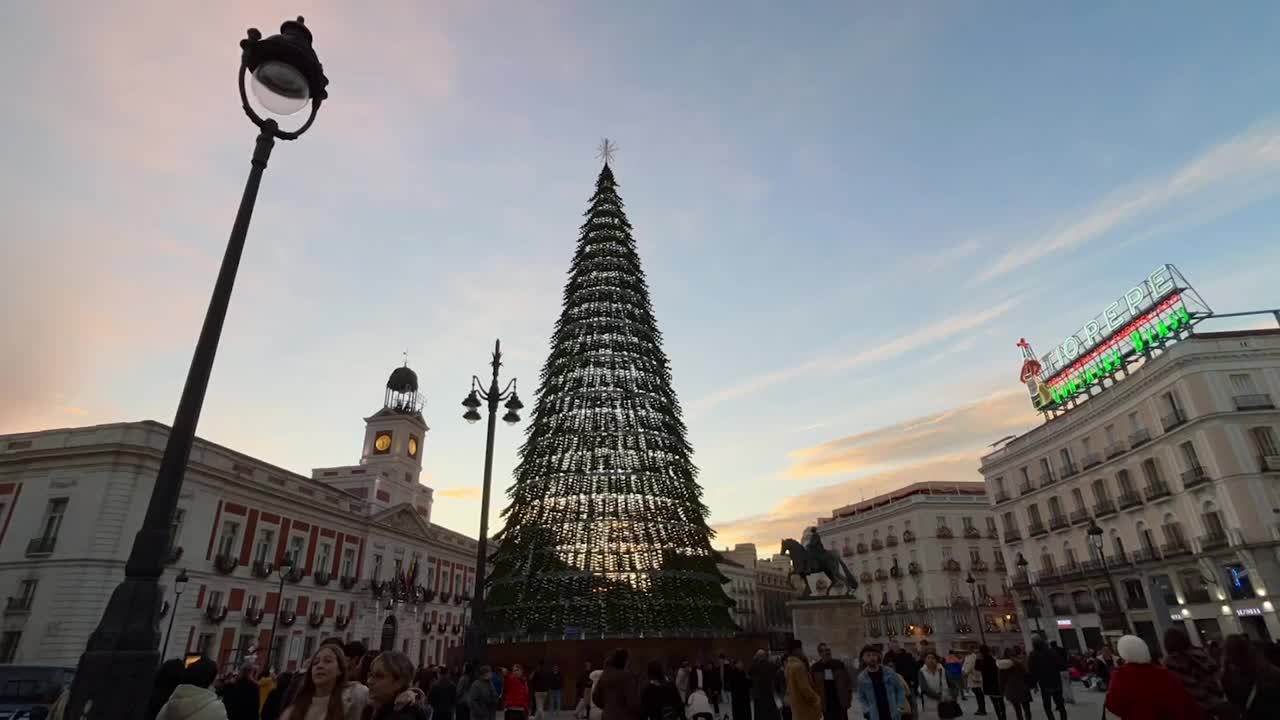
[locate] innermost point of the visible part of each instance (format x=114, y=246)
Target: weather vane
x=405, y=356
x=607, y=149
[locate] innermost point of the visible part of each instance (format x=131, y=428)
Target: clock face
x=382, y=443
x=413, y=447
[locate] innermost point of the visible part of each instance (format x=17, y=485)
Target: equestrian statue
x=811, y=558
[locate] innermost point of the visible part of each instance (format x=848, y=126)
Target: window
x=1087, y=444
x=1110, y=432
x=1026, y=476
x=1046, y=561
x=1242, y=384
x=1212, y=520
x=1151, y=472
x=377, y=566
x=9, y=645
x=967, y=522
x=308, y=646
x=1119, y=544
x=243, y=645
x=942, y=522
x=1009, y=523
x=1065, y=455
x=991, y=525
x=175, y=531
x=946, y=554
x=296, y=551
x=1135, y=422
x=1170, y=403
x=1238, y=583
x=286, y=605
x=348, y=562
x=1077, y=497
x=53, y=519
x=1046, y=473
x=26, y=592
x=982, y=590
x=1264, y=438
x=1100, y=493
x=251, y=603
x=1189, y=455
x=1069, y=555
x=227, y=540
x=1125, y=482
x=326, y=556
x=975, y=555
x=262, y=552
x=1033, y=514
x=1055, y=507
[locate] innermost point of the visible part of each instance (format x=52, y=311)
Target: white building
x=71, y=501
x=738, y=565
x=1178, y=463
x=913, y=551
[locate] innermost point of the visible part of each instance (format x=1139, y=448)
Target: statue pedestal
x=836, y=621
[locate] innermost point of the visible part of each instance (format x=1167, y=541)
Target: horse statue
x=806, y=561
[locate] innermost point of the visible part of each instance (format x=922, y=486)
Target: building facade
x=913, y=552
x=275, y=559
x=760, y=589
x=1177, y=463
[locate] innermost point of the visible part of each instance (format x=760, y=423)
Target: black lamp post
x=283, y=571
x=1029, y=603
x=977, y=611
x=117, y=670
x=474, y=643
x=179, y=585
x=1095, y=537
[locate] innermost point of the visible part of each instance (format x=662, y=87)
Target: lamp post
x=977, y=612
x=474, y=643
x=283, y=571
x=116, y=671
x=1095, y=537
x=179, y=584
x=1029, y=603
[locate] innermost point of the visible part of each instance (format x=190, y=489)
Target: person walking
x=802, y=698
x=834, y=682
x=713, y=683
x=907, y=665
x=1013, y=683
x=1064, y=667
x=541, y=683
x=192, y=699
x=462, y=710
x=660, y=700
x=1251, y=684
x=324, y=693
x=516, y=700
x=1042, y=670
x=940, y=687
x=973, y=681
x=555, y=696
x=881, y=691
x=1197, y=672
x=390, y=678
x=764, y=677
x=989, y=676
x=739, y=686
x=583, y=688
x=482, y=700
x=1142, y=690
x=617, y=693
x=443, y=696
x=682, y=679
x=241, y=695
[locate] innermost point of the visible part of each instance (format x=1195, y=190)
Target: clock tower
x=391, y=456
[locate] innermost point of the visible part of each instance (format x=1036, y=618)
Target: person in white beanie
x=1142, y=690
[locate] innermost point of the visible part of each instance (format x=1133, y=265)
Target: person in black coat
x=713, y=682
x=443, y=696
x=764, y=676
x=989, y=673
x=739, y=685
x=1043, y=672
x=241, y=696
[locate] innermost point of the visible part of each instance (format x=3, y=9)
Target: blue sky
x=848, y=213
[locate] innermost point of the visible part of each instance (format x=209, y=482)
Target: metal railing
x=1260, y=401
x=1129, y=498
x=1194, y=476
x=1156, y=489
x=1214, y=541
x=1025, y=487
x=1091, y=460
x=1172, y=420
x=1012, y=535
x=1035, y=528
x=1139, y=437
x=1046, y=478
x=1058, y=521
x=42, y=545
x=1175, y=547
x=1104, y=507
x=1146, y=555
x=1115, y=450
x=1068, y=469
x=1079, y=516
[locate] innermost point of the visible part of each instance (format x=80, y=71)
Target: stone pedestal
x=836, y=621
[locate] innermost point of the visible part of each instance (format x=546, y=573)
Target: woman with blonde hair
x=325, y=692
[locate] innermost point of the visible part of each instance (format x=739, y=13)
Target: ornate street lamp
x=1095, y=537
x=179, y=585
x=474, y=642
x=116, y=672
x=286, y=567
x=1029, y=604
x=977, y=612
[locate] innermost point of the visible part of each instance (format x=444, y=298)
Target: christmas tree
x=606, y=532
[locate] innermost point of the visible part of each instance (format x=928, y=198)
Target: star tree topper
x=606, y=150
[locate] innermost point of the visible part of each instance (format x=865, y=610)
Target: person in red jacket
x=1141, y=690
x=515, y=693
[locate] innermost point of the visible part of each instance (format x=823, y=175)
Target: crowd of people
x=1236, y=680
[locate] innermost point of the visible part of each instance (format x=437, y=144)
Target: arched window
x=1100, y=493
x=1046, y=560
x=1174, y=537
x=1211, y=518
x=1125, y=483
x=1151, y=473
x=1145, y=537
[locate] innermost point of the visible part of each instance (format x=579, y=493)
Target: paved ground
x=1088, y=706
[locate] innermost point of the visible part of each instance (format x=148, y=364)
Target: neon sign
x=1148, y=316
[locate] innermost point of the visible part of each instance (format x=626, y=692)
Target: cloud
x=926, y=335
x=471, y=492
x=1236, y=165
x=958, y=429
x=792, y=515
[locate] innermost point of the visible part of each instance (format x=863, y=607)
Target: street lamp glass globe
x=281, y=88
x=511, y=418
x=471, y=416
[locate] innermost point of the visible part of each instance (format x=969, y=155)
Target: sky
x=848, y=215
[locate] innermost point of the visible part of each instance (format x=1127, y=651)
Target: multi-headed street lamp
x=117, y=670
x=179, y=585
x=1030, y=605
x=286, y=567
x=475, y=638
x=977, y=611
x=1095, y=537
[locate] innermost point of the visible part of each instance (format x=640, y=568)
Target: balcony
x=881, y=574
x=891, y=541
x=1214, y=541
x=1136, y=603
x=1012, y=535
x=322, y=577
x=978, y=566
x=41, y=546
x=1146, y=555
x=1001, y=497
x=1025, y=487
x=225, y=563
x=17, y=605
x=253, y=616
x=944, y=533
x=1174, y=548
x=1156, y=490
x=1115, y=450
x=1138, y=438
x=992, y=533
x=1129, y=499
x=1021, y=579
x=913, y=568
x=1058, y=521
x=1194, y=477
x=1173, y=420
x=877, y=545
x=1068, y=470
x=1079, y=516
x=908, y=536
x=1036, y=527
x=1269, y=463
x=1071, y=571
x=262, y=568
x=862, y=548
x=1047, y=575
x=1092, y=460
x=951, y=565
x=972, y=533
x=1046, y=478
x=1104, y=507
x=1261, y=401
